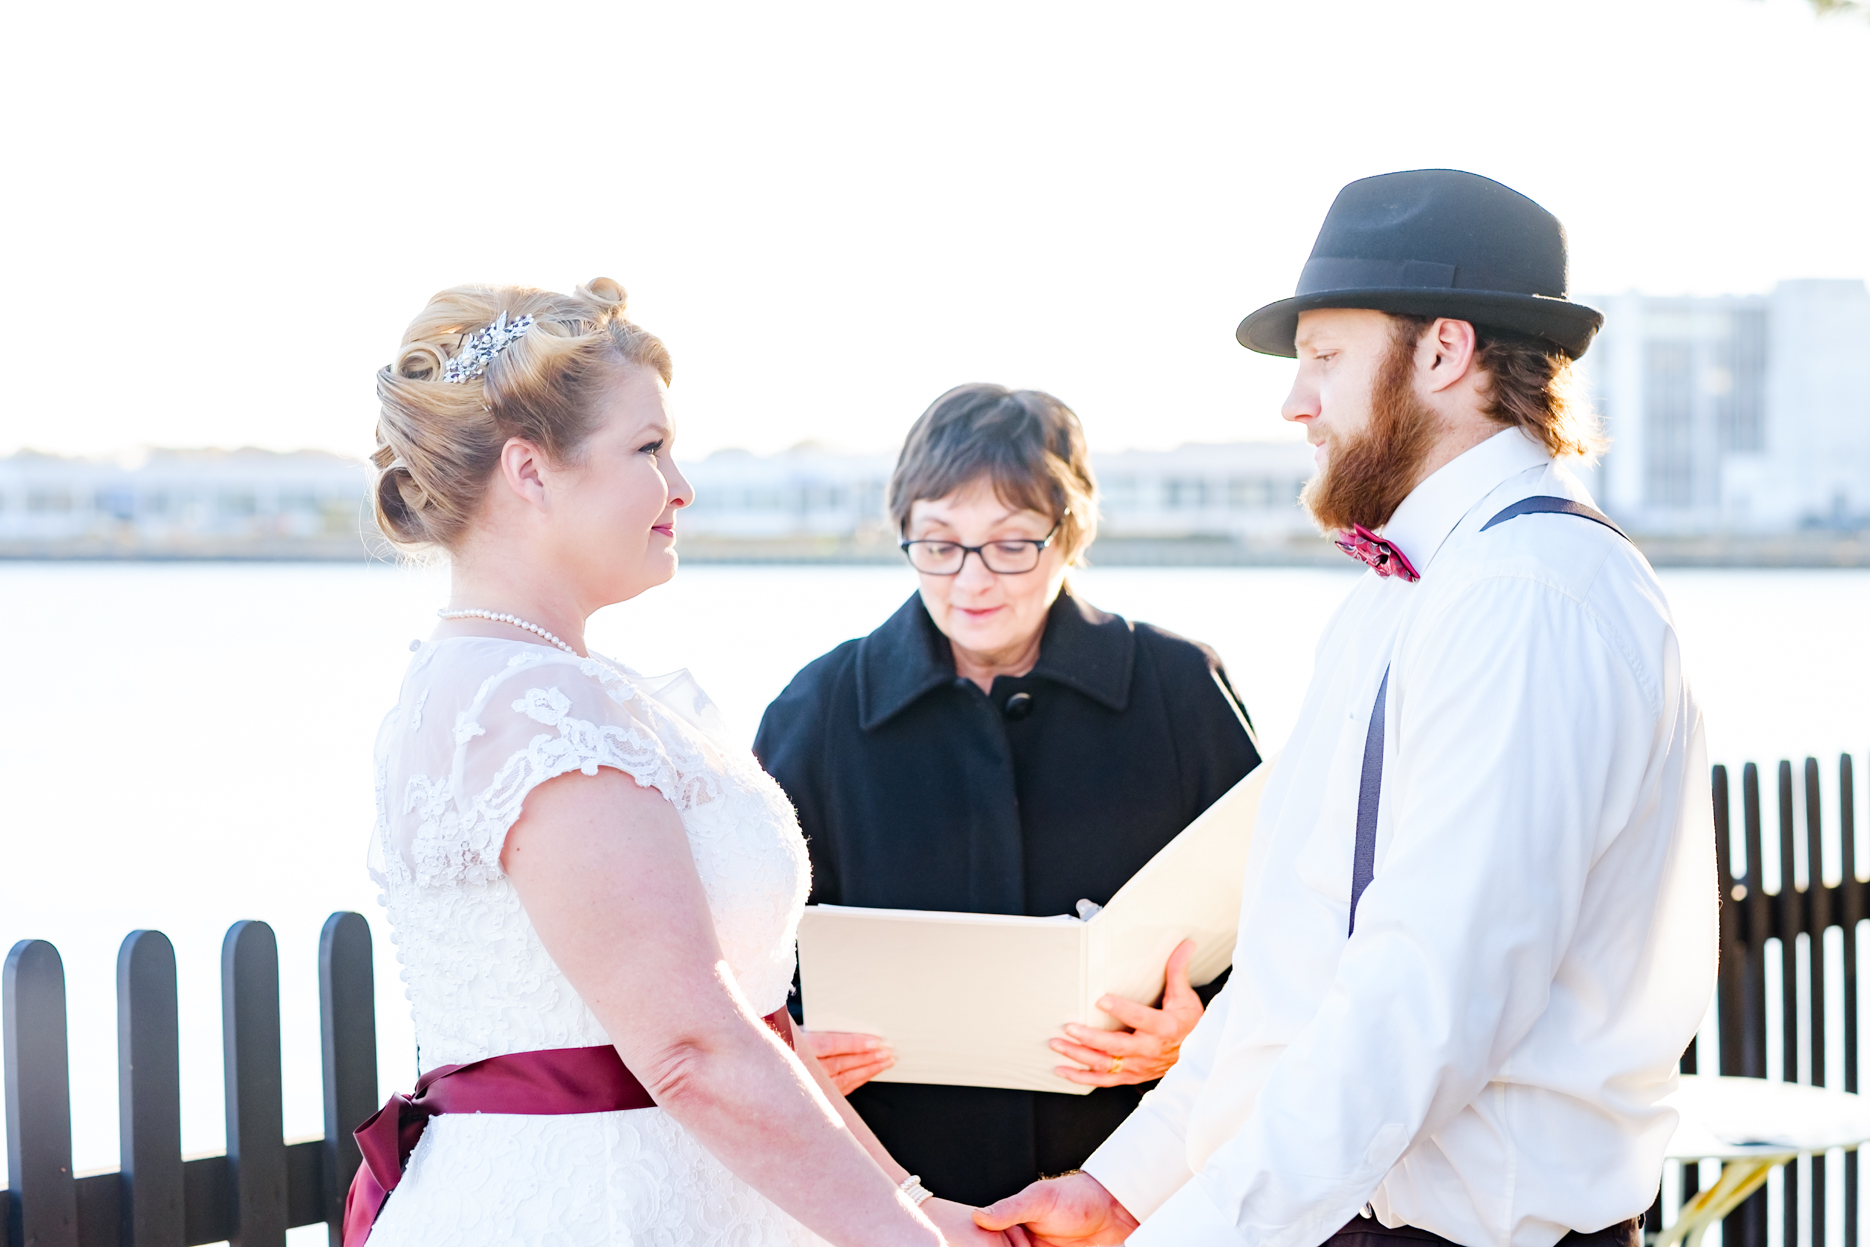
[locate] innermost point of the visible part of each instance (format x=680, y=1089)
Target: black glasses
x=1005, y=558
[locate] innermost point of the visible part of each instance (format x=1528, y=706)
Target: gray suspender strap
x=1370, y=783
x=1369, y=793
x=1544, y=504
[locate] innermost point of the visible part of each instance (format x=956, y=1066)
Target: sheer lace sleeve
x=479, y=724
x=483, y=723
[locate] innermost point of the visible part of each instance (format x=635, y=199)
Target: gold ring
x=1116, y=1065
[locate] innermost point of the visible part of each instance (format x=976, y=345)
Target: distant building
x=183, y=503
x=804, y=502
x=807, y=491
x=1245, y=492
x=1741, y=414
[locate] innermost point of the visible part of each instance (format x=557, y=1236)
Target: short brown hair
x=439, y=441
x=1531, y=385
x=1026, y=443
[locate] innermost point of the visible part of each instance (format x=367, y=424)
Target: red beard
x=1366, y=476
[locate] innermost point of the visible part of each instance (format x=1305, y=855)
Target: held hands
x=850, y=1060
x=959, y=1227
x=1072, y=1211
x=1149, y=1048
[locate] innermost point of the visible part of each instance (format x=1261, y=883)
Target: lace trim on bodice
x=455, y=762
x=459, y=833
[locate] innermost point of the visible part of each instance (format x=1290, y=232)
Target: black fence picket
x=1753, y=1214
x=348, y=1024
x=42, y=1201
x=149, y=1091
x=264, y=1184
x=1852, y=913
x=256, y=1132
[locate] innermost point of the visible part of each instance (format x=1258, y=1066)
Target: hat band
x=1325, y=274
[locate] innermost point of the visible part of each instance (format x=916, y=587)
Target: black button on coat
x=916, y=790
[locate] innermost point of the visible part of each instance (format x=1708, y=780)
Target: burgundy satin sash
x=546, y=1082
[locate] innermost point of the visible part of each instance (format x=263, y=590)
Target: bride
x=593, y=897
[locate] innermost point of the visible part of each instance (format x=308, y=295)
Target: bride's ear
x=524, y=471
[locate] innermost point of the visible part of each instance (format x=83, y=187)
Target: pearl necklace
x=514, y=620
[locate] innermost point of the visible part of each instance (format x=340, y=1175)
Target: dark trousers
x=1370, y=1232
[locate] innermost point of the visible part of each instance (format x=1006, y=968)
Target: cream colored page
x=963, y=999
x=1189, y=890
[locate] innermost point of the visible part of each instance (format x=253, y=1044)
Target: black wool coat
x=916, y=790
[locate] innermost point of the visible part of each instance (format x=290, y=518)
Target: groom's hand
x=1072, y=1211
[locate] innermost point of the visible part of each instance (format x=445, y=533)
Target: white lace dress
x=479, y=724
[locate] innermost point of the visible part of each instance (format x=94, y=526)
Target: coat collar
x=1083, y=649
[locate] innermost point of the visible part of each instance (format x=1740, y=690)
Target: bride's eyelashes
x=650, y=448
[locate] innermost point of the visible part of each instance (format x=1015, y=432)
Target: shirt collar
x=1434, y=507
x=1083, y=648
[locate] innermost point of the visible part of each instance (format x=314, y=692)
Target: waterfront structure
x=808, y=501
x=808, y=491
x=1247, y=492
x=1244, y=492
x=185, y=503
x=1743, y=415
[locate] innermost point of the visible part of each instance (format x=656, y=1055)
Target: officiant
x=999, y=745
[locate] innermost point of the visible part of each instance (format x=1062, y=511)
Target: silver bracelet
x=913, y=1188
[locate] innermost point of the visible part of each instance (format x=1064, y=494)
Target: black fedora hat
x=1435, y=242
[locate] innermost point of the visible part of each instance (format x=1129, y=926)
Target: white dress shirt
x=1483, y=1059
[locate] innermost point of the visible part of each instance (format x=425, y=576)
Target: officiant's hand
x=1147, y=1050
x=850, y=1059
x=1072, y=1211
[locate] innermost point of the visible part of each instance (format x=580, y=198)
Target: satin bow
x=1383, y=558
x=557, y=1080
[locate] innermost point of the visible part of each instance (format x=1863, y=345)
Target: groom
x=1479, y=921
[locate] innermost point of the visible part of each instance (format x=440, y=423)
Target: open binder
x=972, y=999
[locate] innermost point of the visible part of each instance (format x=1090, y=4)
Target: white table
x=1752, y=1125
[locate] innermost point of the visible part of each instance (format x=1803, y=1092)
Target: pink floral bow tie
x=1384, y=559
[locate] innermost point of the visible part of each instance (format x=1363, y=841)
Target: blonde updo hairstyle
x=438, y=442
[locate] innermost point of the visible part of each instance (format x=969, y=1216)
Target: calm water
x=189, y=745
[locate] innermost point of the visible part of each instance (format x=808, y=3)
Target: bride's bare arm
x=604, y=870
x=956, y=1221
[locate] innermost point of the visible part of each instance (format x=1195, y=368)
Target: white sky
x=218, y=218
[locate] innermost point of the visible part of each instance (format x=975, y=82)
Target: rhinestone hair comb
x=478, y=351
